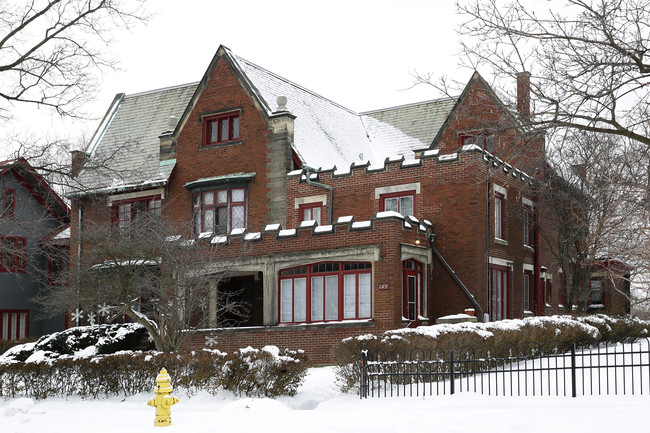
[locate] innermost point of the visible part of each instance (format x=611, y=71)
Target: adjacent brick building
x=332, y=223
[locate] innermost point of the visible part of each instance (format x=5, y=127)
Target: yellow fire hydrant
x=163, y=401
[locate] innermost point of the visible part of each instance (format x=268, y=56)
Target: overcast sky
x=359, y=54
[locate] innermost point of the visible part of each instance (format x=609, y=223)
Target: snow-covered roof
x=328, y=134
x=125, y=150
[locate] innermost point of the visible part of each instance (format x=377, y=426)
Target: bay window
x=328, y=291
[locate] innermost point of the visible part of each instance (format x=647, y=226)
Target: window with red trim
x=528, y=293
x=128, y=213
x=499, y=292
x=14, y=324
x=9, y=203
x=13, y=254
x=412, y=286
x=499, y=217
x=484, y=141
x=529, y=226
x=57, y=266
x=400, y=202
x=311, y=212
x=596, y=292
x=328, y=291
x=220, y=129
x=219, y=210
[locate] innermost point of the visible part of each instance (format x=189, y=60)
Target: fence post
x=452, y=385
x=363, y=374
x=573, y=370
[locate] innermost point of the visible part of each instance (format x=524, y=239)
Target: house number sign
x=383, y=286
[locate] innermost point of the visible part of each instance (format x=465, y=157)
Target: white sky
x=359, y=54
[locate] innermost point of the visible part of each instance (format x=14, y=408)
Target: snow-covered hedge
x=82, y=341
x=251, y=372
x=544, y=332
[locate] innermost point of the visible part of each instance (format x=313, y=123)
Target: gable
x=19, y=176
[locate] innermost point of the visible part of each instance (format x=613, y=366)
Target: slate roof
x=327, y=134
x=125, y=151
x=125, y=148
x=422, y=120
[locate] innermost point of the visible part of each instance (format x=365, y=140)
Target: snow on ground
x=320, y=407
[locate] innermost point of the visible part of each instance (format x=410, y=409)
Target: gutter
x=307, y=170
x=454, y=276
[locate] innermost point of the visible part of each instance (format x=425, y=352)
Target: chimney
x=523, y=93
x=78, y=160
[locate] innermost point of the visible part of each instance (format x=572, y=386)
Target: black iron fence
x=559, y=369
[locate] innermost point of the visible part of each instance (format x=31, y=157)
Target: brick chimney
x=523, y=93
x=78, y=160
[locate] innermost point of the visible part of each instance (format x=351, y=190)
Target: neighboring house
x=34, y=237
x=332, y=223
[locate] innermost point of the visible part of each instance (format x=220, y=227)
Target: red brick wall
x=194, y=161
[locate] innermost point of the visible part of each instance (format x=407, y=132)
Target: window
x=311, y=212
x=484, y=141
x=57, y=266
x=412, y=295
x=14, y=324
x=221, y=129
x=328, y=291
x=499, y=223
x=126, y=214
x=529, y=226
x=596, y=292
x=9, y=203
x=528, y=293
x=400, y=202
x=548, y=287
x=220, y=210
x=499, y=289
x=13, y=254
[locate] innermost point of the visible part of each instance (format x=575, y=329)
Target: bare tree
x=588, y=59
x=52, y=50
x=146, y=271
x=593, y=198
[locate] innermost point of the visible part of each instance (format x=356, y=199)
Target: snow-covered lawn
x=320, y=407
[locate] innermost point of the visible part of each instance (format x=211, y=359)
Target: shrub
x=520, y=336
x=249, y=372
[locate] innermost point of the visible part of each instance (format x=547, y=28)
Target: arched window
x=327, y=291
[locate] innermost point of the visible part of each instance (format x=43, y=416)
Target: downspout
x=454, y=276
x=539, y=308
x=487, y=237
x=79, y=214
x=307, y=170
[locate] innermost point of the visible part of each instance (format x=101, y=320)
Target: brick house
x=332, y=223
x=34, y=247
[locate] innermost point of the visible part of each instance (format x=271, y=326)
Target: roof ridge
x=162, y=89
x=411, y=104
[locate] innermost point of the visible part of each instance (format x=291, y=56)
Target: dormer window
x=222, y=128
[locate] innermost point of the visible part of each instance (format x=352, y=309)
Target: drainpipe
x=79, y=214
x=540, y=308
x=454, y=276
x=307, y=170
